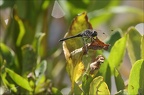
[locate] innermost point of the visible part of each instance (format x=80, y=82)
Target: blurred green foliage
x=30, y=65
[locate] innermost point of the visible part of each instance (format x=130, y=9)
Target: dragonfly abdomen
x=79, y=35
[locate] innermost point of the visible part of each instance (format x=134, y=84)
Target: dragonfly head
x=94, y=33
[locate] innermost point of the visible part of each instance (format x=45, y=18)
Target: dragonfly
x=88, y=33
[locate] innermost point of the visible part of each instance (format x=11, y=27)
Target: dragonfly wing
x=101, y=35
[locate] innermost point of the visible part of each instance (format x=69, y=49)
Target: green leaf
x=8, y=56
x=133, y=45
x=6, y=53
x=98, y=87
x=41, y=81
x=19, y=80
x=37, y=42
x=136, y=78
x=106, y=73
x=29, y=59
x=21, y=30
x=86, y=80
x=142, y=47
x=114, y=37
x=6, y=83
x=41, y=84
x=77, y=90
x=55, y=91
x=117, y=52
x=41, y=68
x=45, y=4
x=118, y=80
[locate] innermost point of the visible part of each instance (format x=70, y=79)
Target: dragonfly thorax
x=89, y=33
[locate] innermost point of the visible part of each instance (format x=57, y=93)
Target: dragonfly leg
x=85, y=44
x=92, y=39
x=86, y=39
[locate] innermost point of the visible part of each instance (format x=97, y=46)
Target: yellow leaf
x=75, y=65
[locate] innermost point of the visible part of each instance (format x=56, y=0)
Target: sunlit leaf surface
x=8, y=56
x=6, y=82
x=98, y=87
x=142, y=47
x=19, y=80
x=6, y=53
x=21, y=29
x=133, y=46
x=117, y=53
x=136, y=79
x=106, y=73
x=55, y=91
x=118, y=80
x=114, y=37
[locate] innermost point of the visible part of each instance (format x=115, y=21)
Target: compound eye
x=95, y=32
